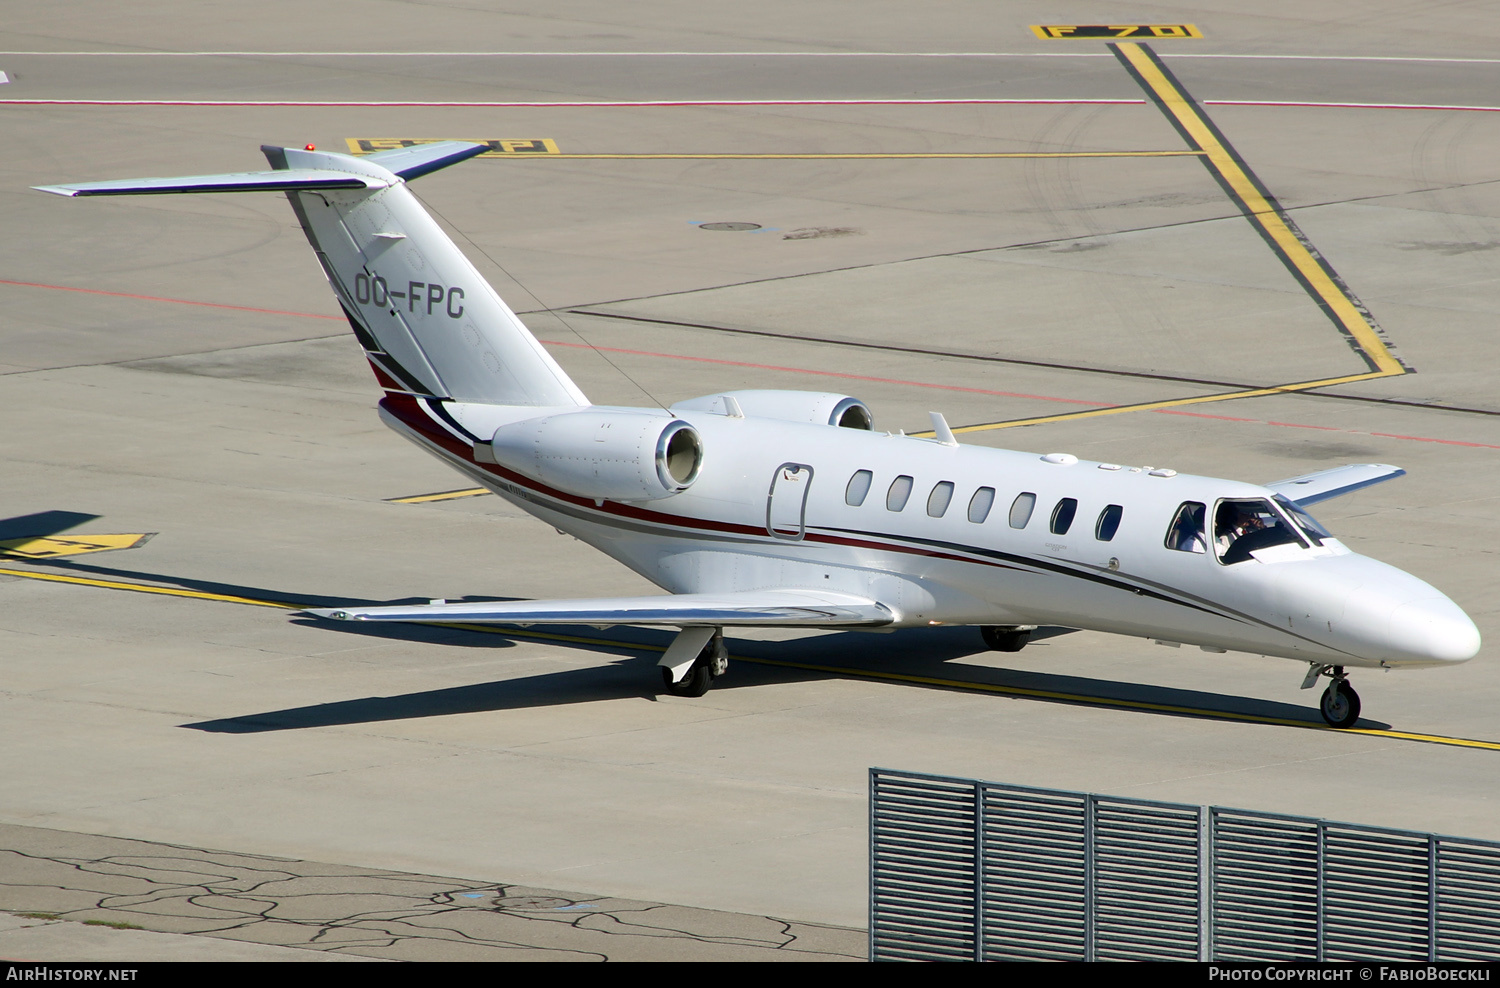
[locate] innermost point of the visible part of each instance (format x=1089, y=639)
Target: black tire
x=695, y=683
x=1340, y=705
x=1004, y=639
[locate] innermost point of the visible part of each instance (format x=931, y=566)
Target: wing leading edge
x=757, y=608
x=1325, y=484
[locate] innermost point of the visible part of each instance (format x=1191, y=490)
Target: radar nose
x=1434, y=629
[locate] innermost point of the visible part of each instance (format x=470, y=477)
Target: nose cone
x=1433, y=630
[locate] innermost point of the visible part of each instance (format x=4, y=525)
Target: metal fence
x=968, y=870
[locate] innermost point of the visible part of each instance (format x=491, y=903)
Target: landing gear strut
x=1339, y=704
x=1006, y=637
x=698, y=656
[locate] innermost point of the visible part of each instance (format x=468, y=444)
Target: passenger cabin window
x=1020, y=509
x=1062, y=515
x=858, y=489
x=980, y=504
x=895, y=498
x=1108, y=523
x=939, y=499
x=1243, y=526
x=1186, y=531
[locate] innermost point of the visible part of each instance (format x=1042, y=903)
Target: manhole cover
x=729, y=226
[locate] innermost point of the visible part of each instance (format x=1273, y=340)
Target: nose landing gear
x=1339, y=704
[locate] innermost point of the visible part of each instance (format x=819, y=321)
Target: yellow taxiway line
x=818, y=156
x=1259, y=206
x=890, y=677
x=440, y=496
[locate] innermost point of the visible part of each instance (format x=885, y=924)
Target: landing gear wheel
x=1340, y=704
x=711, y=663
x=695, y=683
x=1003, y=639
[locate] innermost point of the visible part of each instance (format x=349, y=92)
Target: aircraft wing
x=789, y=608
x=1325, y=484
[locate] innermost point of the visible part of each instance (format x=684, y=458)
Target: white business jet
x=788, y=509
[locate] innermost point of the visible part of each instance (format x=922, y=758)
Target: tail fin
x=428, y=321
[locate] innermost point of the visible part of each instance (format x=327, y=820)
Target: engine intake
x=621, y=454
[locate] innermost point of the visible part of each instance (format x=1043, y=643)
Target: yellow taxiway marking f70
x=498, y=148
x=1093, y=32
x=892, y=677
x=50, y=547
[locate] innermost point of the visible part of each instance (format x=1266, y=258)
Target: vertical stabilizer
x=424, y=315
x=429, y=322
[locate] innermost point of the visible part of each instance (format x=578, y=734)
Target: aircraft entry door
x=786, y=504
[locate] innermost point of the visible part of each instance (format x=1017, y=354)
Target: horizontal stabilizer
x=1326, y=484
x=775, y=608
x=297, y=179
x=424, y=159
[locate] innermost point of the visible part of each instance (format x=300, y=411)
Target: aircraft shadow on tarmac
x=921, y=652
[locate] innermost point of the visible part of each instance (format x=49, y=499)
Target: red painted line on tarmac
x=789, y=370
x=176, y=301
x=512, y=104
x=1428, y=439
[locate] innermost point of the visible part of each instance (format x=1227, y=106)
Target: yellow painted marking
x=143, y=588
x=1262, y=213
x=548, y=148
x=876, y=155
x=1055, y=32
x=498, y=148
x=53, y=546
x=893, y=677
x=440, y=496
x=1149, y=406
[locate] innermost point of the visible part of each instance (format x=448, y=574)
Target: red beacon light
x=310, y=147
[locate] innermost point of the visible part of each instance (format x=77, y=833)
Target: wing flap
x=1325, y=484
x=755, y=608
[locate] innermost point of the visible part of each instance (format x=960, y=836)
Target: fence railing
x=967, y=870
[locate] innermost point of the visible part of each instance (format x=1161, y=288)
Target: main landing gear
x=696, y=657
x=1006, y=637
x=1339, y=704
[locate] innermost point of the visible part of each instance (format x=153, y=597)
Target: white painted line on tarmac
x=733, y=54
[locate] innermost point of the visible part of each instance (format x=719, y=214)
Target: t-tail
x=428, y=321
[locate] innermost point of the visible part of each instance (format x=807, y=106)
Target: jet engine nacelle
x=819, y=408
x=620, y=454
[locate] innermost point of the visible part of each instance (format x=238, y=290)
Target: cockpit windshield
x=1303, y=520
x=1243, y=526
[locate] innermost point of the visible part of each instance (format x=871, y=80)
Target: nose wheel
x=1339, y=704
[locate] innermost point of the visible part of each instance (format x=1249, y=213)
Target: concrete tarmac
x=177, y=365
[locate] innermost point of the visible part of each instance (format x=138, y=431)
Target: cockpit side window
x=1186, y=531
x=1242, y=526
